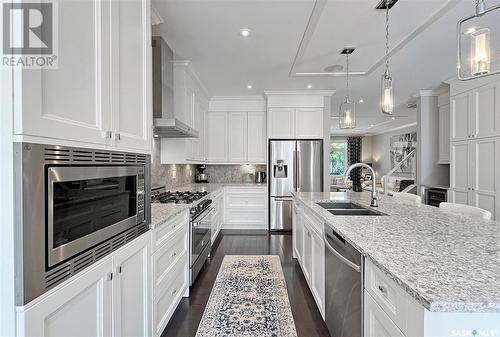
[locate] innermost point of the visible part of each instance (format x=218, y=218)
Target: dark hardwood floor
x=308, y=320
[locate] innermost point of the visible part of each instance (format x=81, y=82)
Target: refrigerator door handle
x=294, y=171
x=297, y=170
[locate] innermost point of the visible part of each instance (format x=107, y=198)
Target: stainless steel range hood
x=173, y=128
x=164, y=122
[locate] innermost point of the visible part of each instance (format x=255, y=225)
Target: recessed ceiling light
x=361, y=101
x=372, y=125
x=249, y=86
x=309, y=86
x=245, y=32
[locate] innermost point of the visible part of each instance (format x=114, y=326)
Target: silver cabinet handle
x=108, y=134
x=174, y=291
x=382, y=289
x=109, y=277
x=117, y=136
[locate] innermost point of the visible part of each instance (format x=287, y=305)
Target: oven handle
x=339, y=256
x=101, y=187
x=202, y=216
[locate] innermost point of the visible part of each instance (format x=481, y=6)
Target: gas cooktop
x=177, y=197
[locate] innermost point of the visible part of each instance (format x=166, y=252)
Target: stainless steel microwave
x=73, y=207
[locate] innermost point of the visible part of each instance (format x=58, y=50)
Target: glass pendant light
x=347, y=110
x=479, y=43
x=387, y=95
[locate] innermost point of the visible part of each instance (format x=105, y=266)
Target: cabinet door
x=217, y=136
x=318, y=271
x=132, y=288
x=460, y=117
x=307, y=257
x=485, y=114
x=298, y=239
x=131, y=74
x=460, y=166
x=83, y=308
x=70, y=102
x=484, y=180
x=237, y=136
x=308, y=123
x=376, y=321
x=281, y=123
x=444, y=134
x=257, y=137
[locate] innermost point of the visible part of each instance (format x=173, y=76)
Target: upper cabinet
x=99, y=96
x=217, y=137
x=256, y=136
x=237, y=140
x=297, y=115
x=474, y=113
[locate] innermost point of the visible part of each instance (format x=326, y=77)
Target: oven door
x=88, y=205
x=201, y=229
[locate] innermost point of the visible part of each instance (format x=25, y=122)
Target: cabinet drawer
x=376, y=321
x=165, y=300
x=163, y=232
x=164, y=259
x=245, y=190
x=238, y=201
x=245, y=216
x=403, y=310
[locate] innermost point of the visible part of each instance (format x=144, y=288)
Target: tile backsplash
x=171, y=175
x=230, y=173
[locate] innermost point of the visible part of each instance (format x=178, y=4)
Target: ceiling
x=294, y=40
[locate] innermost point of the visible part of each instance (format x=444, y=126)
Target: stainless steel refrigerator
x=294, y=165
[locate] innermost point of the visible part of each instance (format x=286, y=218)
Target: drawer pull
x=174, y=226
x=174, y=254
x=174, y=291
x=382, y=289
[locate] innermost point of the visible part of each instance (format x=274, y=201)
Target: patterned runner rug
x=249, y=299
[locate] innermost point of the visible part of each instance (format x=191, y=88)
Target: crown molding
x=300, y=92
x=238, y=98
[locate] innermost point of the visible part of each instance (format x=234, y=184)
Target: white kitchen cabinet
x=460, y=117
x=376, y=321
x=309, y=249
x=131, y=101
x=101, y=301
x=218, y=213
x=474, y=170
x=99, y=96
x=295, y=123
x=281, y=123
x=170, y=269
x=444, y=134
x=476, y=113
x=245, y=207
x=217, y=137
x=256, y=137
x=308, y=123
x=237, y=136
x=131, y=289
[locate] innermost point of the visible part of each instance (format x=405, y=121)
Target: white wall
x=7, y=290
x=381, y=156
x=366, y=149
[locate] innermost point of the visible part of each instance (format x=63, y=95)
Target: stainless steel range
x=200, y=224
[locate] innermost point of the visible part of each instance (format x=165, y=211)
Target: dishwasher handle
x=332, y=250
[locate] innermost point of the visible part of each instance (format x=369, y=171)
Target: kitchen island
x=446, y=266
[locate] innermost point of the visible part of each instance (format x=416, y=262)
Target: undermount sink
x=349, y=208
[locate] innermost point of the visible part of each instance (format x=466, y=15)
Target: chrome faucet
x=375, y=198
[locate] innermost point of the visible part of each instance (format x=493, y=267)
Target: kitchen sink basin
x=349, y=208
x=340, y=205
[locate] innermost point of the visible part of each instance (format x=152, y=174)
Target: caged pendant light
x=347, y=109
x=479, y=43
x=387, y=94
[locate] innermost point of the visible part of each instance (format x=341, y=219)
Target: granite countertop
x=449, y=263
x=161, y=213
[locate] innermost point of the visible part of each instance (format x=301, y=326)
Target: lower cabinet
x=111, y=298
x=376, y=321
x=245, y=207
x=218, y=214
x=309, y=249
x=170, y=269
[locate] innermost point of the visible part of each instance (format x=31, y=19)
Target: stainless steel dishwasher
x=344, y=286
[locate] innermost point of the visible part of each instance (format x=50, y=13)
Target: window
x=338, y=158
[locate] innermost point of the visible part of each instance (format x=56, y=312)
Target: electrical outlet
x=173, y=174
